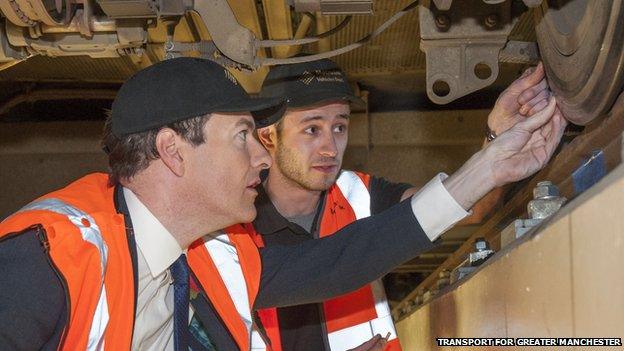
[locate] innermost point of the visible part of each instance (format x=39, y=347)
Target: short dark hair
x=133, y=153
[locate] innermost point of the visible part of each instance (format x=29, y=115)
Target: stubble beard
x=292, y=169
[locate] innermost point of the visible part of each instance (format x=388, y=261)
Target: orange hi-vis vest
x=354, y=318
x=87, y=245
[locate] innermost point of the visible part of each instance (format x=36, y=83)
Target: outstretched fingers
x=539, y=119
x=536, y=104
x=553, y=138
x=531, y=78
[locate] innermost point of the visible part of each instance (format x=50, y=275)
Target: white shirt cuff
x=435, y=209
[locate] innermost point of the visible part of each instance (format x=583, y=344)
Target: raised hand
x=523, y=98
x=527, y=146
x=514, y=155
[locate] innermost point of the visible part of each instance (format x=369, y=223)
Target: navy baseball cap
x=308, y=83
x=181, y=88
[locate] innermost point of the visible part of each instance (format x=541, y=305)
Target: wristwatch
x=489, y=134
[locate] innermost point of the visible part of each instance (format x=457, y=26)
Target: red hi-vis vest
x=354, y=318
x=87, y=245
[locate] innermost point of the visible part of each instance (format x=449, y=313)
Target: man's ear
x=168, y=144
x=268, y=137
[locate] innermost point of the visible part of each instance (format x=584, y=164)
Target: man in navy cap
x=307, y=195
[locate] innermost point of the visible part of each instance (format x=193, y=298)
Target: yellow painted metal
x=302, y=30
x=278, y=23
x=322, y=25
x=565, y=281
x=247, y=15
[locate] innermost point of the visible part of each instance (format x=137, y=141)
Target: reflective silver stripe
x=90, y=233
x=358, y=197
x=225, y=257
x=354, y=190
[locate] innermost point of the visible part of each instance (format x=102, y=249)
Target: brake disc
x=582, y=46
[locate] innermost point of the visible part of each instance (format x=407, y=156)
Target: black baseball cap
x=308, y=83
x=182, y=88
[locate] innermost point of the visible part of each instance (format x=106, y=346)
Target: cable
x=308, y=40
x=342, y=50
x=338, y=27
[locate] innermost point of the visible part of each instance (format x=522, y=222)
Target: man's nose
x=260, y=158
x=328, y=147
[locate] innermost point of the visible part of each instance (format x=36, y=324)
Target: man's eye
x=243, y=134
x=311, y=130
x=340, y=128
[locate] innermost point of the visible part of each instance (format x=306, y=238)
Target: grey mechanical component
x=462, y=46
x=444, y=5
x=518, y=228
x=480, y=254
x=546, y=201
x=233, y=40
x=334, y=7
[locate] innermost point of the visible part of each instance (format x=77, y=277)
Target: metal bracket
x=234, y=41
x=462, y=46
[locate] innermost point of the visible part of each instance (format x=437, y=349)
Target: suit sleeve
x=361, y=252
x=32, y=298
x=385, y=194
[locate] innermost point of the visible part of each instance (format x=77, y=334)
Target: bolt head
x=443, y=22
x=545, y=189
x=481, y=244
x=491, y=20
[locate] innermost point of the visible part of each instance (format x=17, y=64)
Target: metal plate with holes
x=581, y=44
x=462, y=46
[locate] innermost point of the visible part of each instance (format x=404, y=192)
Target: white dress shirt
x=157, y=249
x=435, y=209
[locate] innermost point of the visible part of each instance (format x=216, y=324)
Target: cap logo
x=230, y=76
x=308, y=77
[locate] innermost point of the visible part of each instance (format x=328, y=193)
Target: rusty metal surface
x=525, y=52
x=581, y=44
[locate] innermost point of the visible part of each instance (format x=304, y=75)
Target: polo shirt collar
x=268, y=219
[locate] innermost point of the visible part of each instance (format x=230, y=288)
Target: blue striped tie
x=180, y=273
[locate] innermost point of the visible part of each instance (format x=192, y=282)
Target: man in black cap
x=303, y=196
x=112, y=260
